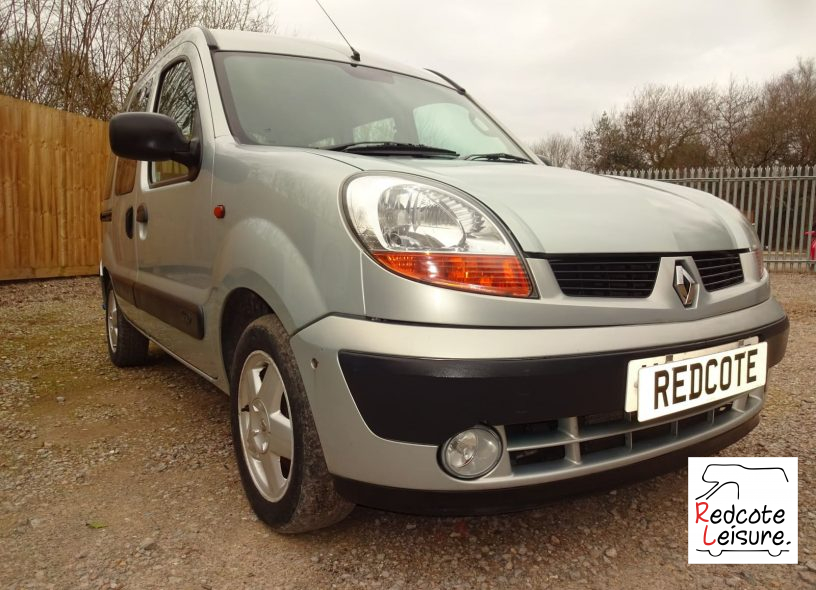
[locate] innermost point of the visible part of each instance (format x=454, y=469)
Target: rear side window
x=176, y=99
x=125, y=177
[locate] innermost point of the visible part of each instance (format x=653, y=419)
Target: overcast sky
x=544, y=66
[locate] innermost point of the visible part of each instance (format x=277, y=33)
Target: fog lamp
x=472, y=453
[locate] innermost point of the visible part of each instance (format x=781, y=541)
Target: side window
x=176, y=99
x=125, y=177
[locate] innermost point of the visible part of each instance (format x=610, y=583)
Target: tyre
x=277, y=447
x=127, y=346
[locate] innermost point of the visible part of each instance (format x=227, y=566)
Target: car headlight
x=434, y=235
x=756, y=247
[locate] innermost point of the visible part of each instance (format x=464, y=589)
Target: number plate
x=677, y=386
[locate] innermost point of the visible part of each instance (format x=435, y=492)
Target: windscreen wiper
x=392, y=148
x=498, y=157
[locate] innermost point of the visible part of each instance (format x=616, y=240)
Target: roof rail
x=458, y=88
x=208, y=36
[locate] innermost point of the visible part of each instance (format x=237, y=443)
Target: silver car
x=408, y=309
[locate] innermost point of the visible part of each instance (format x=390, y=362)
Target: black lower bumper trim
x=441, y=503
x=426, y=400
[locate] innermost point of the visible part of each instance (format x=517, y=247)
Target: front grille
x=619, y=276
x=719, y=269
x=559, y=445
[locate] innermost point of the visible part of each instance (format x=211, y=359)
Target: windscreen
x=294, y=101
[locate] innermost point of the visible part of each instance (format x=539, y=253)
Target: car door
x=173, y=220
x=118, y=211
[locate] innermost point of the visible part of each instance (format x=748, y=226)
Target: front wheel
x=276, y=444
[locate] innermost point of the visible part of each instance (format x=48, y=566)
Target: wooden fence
x=52, y=168
x=779, y=201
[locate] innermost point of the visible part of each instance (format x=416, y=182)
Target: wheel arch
x=241, y=307
x=259, y=270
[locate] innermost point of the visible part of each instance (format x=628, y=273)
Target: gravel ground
x=125, y=479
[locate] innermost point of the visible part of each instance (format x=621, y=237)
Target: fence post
x=720, y=186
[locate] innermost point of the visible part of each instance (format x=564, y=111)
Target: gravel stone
x=808, y=577
x=148, y=544
x=147, y=452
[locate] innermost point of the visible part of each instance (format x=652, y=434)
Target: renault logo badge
x=685, y=285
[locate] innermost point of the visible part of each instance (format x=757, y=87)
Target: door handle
x=141, y=214
x=129, y=223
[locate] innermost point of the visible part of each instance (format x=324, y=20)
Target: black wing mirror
x=152, y=137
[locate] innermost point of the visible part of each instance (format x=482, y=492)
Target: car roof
x=226, y=40
x=278, y=44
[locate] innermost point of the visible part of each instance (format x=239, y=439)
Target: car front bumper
x=513, y=499
x=385, y=396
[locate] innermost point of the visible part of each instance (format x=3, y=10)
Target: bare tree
x=730, y=126
x=665, y=125
x=743, y=124
x=605, y=145
x=771, y=125
x=84, y=55
x=559, y=150
x=791, y=104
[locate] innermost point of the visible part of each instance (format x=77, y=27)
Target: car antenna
x=355, y=55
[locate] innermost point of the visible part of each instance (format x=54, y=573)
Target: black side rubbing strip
x=183, y=315
x=123, y=288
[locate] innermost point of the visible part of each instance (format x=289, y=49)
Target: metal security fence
x=779, y=201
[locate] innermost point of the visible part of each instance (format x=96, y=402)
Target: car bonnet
x=557, y=211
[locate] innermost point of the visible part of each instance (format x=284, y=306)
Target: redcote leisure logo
x=743, y=510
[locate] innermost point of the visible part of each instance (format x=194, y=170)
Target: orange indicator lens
x=488, y=274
